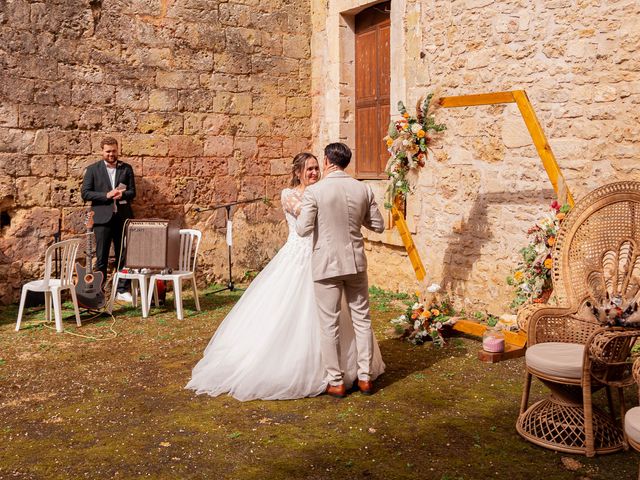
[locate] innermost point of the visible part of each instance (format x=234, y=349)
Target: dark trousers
x=106, y=234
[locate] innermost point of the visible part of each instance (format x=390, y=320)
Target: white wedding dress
x=268, y=346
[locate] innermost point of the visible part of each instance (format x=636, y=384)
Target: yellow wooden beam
x=407, y=240
x=544, y=149
x=479, y=99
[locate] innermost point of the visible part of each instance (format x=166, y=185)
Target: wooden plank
x=544, y=149
x=478, y=99
x=469, y=327
x=407, y=240
x=509, y=353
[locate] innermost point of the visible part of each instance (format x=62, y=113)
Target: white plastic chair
x=139, y=283
x=189, y=244
x=52, y=287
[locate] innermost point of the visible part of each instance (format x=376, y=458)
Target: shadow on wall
x=467, y=240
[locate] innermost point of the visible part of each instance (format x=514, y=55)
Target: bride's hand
x=329, y=168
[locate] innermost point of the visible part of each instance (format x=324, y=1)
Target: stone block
x=161, y=123
x=163, y=166
x=247, y=147
x=76, y=165
x=52, y=93
x=253, y=187
x=185, y=146
x=163, y=99
x=92, y=94
x=134, y=98
x=48, y=116
x=8, y=115
x=194, y=100
x=69, y=142
x=177, y=79
x=292, y=146
x=231, y=63
x=19, y=90
x=225, y=189
x=32, y=191
x=296, y=46
x=211, y=167
x=299, y=107
x=215, y=124
x=91, y=119
x=145, y=144
x=54, y=166
x=270, y=147
x=280, y=166
x=65, y=193
x=218, y=146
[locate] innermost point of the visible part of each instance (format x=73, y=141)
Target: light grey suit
x=335, y=210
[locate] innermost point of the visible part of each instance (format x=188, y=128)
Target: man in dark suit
x=110, y=186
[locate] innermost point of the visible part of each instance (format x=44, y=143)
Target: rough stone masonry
x=208, y=99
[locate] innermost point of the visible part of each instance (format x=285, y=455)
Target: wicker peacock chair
x=597, y=252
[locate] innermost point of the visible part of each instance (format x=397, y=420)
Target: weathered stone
x=49, y=166
x=71, y=142
x=33, y=191
x=161, y=123
x=175, y=79
x=145, y=144
x=185, y=146
x=220, y=145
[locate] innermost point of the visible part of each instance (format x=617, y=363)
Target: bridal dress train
x=268, y=346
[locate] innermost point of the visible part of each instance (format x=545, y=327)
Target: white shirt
x=112, y=174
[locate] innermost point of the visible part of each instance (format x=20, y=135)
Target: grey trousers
x=329, y=292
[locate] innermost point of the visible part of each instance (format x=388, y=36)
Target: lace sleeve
x=291, y=201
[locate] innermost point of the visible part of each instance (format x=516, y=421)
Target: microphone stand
x=227, y=206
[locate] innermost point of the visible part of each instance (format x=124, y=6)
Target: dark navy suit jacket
x=96, y=185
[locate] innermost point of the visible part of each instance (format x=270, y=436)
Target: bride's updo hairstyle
x=299, y=162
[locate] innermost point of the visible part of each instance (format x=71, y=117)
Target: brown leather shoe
x=338, y=391
x=366, y=387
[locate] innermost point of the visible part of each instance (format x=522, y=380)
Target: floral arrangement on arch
x=532, y=277
x=408, y=141
x=425, y=321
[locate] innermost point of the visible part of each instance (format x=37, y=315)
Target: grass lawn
x=77, y=407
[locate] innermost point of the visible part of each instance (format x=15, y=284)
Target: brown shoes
x=365, y=387
x=338, y=391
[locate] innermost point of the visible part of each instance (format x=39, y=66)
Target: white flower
x=403, y=317
x=406, y=143
x=416, y=306
x=416, y=127
x=525, y=288
x=416, y=325
x=438, y=325
x=433, y=288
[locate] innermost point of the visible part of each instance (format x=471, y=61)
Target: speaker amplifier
x=153, y=244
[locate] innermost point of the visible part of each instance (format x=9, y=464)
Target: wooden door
x=373, y=78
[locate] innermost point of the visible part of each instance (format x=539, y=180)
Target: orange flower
x=420, y=133
x=414, y=316
x=389, y=142
x=560, y=215
x=548, y=263
x=551, y=241
x=435, y=312
x=518, y=276
x=426, y=314
x=405, y=115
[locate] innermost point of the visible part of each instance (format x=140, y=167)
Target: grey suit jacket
x=335, y=209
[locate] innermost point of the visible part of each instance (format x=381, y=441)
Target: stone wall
x=209, y=100
x=485, y=185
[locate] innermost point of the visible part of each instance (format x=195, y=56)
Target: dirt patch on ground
x=77, y=407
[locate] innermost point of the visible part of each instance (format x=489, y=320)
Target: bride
x=268, y=346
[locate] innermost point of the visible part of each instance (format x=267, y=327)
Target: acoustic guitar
x=89, y=283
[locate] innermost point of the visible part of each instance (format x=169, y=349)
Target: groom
x=335, y=209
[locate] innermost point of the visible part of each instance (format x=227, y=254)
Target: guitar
x=89, y=283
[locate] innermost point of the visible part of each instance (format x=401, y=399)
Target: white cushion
x=556, y=359
x=632, y=424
